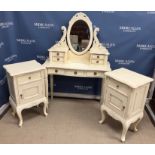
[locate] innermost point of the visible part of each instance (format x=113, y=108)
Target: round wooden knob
x=97, y=62
x=21, y=96
x=95, y=73
x=123, y=108
x=29, y=77
x=57, y=59
x=75, y=72
x=56, y=71
x=57, y=54
x=117, y=86
x=98, y=56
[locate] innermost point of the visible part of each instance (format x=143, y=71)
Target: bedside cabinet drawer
x=26, y=78
x=60, y=54
x=95, y=56
x=118, y=86
x=116, y=101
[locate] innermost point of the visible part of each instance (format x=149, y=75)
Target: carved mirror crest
x=80, y=34
x=80, y=37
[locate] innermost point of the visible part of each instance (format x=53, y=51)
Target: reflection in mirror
x=79, y=36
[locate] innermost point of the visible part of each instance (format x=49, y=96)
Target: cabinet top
x=23, y=67
x=129, y=78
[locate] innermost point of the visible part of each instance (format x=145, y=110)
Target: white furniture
x=125, y=94
x=79, y=52
x=27, y=85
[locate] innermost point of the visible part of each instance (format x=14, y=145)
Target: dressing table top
x=77, y=66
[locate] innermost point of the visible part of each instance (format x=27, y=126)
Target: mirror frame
x=75, y=18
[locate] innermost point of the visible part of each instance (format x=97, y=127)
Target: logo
x=2, y=81
x=1, y=44
x=109, y=45
x=44, y=25
x=42, y=57
x=108, y=11
x=130, y=28
x=11, y=58
x=26, y=41
x=80, y=87
x=150, y=12
x=145, y=47
x=4, y=25
x=124, y=62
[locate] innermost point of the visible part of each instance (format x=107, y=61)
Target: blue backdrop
x=129, y=37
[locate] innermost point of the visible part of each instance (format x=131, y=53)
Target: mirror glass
x=79, y=36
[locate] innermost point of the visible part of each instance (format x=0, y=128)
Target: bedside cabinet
x=27, y=83
x=124, y=97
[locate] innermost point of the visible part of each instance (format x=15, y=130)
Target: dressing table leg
x=102, y=87
x=51, y=86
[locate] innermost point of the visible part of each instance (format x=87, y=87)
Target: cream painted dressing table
x=79, y=52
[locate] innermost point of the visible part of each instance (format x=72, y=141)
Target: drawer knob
x=98, y=56
x=95, y=73
x=21, y=96
x=29, y=77
x=56, y=71
x=123, y=108
x=117, y=86
x=57, y=59
x=75, y=72
x=97, y=62
x=57, y=54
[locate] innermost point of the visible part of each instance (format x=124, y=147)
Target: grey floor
x=70, y=121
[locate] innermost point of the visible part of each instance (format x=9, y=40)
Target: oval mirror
x=79, y=36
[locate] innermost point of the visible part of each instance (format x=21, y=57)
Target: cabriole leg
x=45, y=108
x=51, y=86
x=13, y=111
x=125, y=129
x=19, y=114
x=134, y=125
x=103, y=116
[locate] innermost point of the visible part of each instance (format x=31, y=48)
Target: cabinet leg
x=103, y=116
x=134, y=125
x=13, y=112
x=125, y=129
x=19, y=114
x=45, y=109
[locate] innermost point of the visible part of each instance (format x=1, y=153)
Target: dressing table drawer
x=26, y=78
x=96, y=61
x=97, y=56
x=60, y=54
x=75, y=73
x=56, y=71
x=118, y=86
x=95, y=74
x=58, y=59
